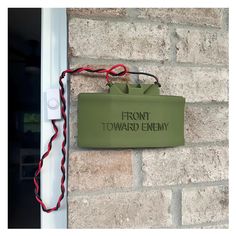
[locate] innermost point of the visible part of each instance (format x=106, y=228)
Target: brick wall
x=183, y=187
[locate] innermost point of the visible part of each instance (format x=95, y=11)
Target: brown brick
x=204, y=205
x=98, y=12
x=73, y=131
x=193, y=83
x=214, y=226
x=118, y=40
x=197, y=16
x=184, y=165
x=206, y=123
x=149, y=209
x=202, y=46
x=100, y=169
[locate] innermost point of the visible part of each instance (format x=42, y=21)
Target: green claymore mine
x=130, y=116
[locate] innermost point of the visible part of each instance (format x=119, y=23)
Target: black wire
x=120, y=73
x=148, y=74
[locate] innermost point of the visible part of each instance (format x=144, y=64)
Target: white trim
x=53, y=62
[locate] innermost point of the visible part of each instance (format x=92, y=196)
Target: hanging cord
x=108, y=72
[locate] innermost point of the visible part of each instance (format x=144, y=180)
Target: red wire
x=108, y=72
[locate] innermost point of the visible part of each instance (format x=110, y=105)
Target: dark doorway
x=24, y=46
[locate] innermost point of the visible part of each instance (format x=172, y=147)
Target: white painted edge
x=53, y=62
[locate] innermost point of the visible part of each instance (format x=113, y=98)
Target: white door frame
x=53, y=62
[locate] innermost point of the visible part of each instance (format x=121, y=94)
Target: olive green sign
x=130, y=116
